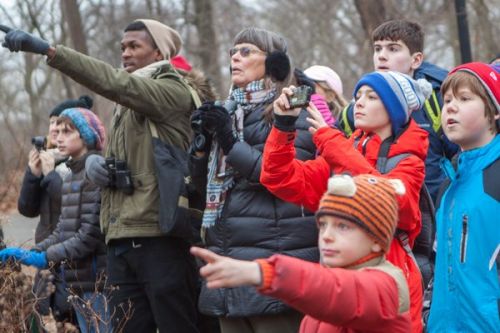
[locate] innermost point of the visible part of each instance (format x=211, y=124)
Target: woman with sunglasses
x=241, y=218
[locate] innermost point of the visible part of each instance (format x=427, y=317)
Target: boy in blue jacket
x=466, y=284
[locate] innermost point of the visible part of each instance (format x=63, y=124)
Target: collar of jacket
x=372, y=262
x=78, y=164
x=472, y=161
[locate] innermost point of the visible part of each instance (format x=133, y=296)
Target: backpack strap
x=194, y=95
x=344, y=123
x=433, y=111
x=385, y=165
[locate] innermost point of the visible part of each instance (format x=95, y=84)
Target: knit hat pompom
x=89, y=126
x=400, y=94
x=83, y=101
x=367, y=200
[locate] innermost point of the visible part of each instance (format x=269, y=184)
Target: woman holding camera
x=242, y=219
x=41, y=196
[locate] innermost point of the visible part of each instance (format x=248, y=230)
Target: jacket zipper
x=463, y=243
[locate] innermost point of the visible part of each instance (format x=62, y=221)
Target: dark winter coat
x=255, y=223
x=41, y=196
x=76, y=247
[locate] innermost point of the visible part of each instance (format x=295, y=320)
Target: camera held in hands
x=40, y=142
x=203, y=132
x=119, y=175
x=301, y=97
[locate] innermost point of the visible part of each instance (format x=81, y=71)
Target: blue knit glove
x=30, y=258
x=18, y=40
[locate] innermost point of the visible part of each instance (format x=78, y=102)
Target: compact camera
x=119, y=175
x=301, y=97
x=40, y=142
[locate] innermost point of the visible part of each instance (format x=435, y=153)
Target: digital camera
x=301, y=97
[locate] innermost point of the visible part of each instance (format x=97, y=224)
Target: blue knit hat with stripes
x=91, y=129
x=400, y=94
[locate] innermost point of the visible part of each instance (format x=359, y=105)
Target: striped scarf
x=220, y=177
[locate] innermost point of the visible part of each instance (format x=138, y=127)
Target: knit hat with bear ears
x=366, y=200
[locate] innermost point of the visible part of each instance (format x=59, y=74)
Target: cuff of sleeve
x=285, y=123
x=267, y=273
x=279, y=137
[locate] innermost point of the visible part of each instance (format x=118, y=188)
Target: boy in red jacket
x=384, y=103
x=354, y=289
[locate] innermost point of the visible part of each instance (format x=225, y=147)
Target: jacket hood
x=413, y=140
x=432, y=73
x=200, y=83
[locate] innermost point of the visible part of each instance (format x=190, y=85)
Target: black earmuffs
x=277, y=65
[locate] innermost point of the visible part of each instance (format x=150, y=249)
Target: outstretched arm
x=224, y=272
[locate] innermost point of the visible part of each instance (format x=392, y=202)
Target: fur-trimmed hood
x=200, y=83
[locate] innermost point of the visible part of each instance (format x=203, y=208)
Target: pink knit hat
x=326, y=74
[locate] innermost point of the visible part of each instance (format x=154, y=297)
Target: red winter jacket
x=304, y=183
x=365, y=299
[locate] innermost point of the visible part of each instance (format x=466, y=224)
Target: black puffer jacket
x=41, y=196
x=256, y=224
x=76, y=246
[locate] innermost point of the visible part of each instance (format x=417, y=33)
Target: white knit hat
x=326, y=74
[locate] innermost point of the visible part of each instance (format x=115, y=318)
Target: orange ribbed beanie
x=366, y=200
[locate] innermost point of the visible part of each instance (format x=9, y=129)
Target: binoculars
x=119, y=175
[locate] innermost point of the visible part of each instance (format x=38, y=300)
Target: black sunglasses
x=245, y=51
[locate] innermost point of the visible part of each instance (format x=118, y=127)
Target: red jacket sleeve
x=349, y=298
x=292, y=180
x=341, y=156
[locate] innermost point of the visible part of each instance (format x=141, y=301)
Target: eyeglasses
x=245, y=51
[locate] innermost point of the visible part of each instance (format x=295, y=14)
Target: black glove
x=18, y=40
x=202, y=140
x=304, y=80
x=285, y=123
x=218, y=119
x=196, y=116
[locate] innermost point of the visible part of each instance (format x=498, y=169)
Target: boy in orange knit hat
x=354, y=288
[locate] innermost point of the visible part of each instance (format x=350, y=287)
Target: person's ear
x=376, y=247
x=158, y=55
x=417, y=59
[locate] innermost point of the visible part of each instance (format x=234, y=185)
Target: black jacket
x=254, y=223
x=41, y=196
x=76, y=246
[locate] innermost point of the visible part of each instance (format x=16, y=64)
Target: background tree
x=334, y=33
